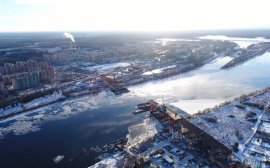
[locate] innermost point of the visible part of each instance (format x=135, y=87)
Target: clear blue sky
x=132, y=15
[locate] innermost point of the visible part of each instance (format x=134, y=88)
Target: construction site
x=176, y=121
x=166, y=138
x=116, y=86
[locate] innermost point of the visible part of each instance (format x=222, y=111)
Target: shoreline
x=196, y=119
x=81, y=93
x=75, y=95
x=23, y=110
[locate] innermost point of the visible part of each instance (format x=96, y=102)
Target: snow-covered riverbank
x=39, y=102
x=243, y=126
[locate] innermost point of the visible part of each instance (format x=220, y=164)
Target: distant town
x=74, y=69
x=46, y=70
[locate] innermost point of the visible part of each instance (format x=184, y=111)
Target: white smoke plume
x=70, y=36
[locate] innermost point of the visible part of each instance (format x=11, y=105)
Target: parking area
x=167, y=153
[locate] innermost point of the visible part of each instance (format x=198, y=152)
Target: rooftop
x=175, y=112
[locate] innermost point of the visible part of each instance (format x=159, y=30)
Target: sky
x=132, y=15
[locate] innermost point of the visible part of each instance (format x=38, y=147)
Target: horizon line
x=136, y=31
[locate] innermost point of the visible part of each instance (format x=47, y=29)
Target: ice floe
x=58, y=158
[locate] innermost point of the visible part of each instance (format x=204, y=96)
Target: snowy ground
x=106, y=67
x=231, y=119
x=193, y=106
x=237, y=122
x=257, y=149
x=157, y=71
x=217, y=63
x=32, y=104
x=114, y=161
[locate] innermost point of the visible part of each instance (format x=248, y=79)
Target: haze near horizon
x=131, y=15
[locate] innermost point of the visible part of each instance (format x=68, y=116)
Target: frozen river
x=72, y=127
